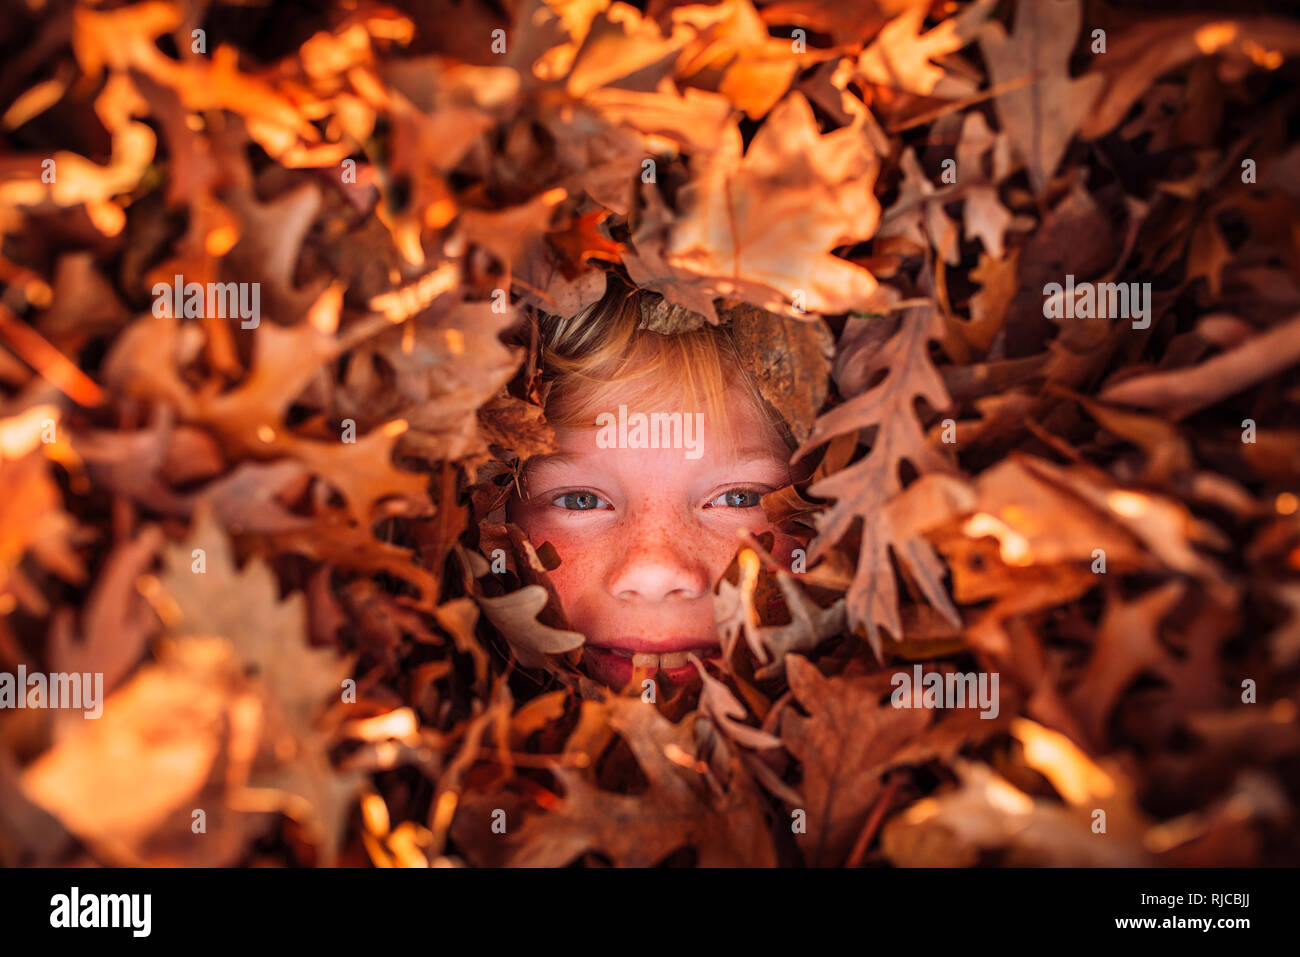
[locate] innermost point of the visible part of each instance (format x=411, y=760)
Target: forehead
x=744, y=439
x=732, y=430
x=730, y=418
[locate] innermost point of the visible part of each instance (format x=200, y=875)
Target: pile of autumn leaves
x=301, y=636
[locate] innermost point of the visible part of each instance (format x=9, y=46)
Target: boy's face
x=644, y=533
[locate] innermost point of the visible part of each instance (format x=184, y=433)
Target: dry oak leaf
x=901, y=57
x=1147, y=50
x=270, y=242
x=344, y=544
x=81, y=181
x=210, y=596
x=618, y=43
x=986, y=217
x=987, y=813
x=580, y=240
x=809, y=626
x=720, y=706
x=736, y=611
x=146, y=356
x=1037, y=522
x=363, y=471
x=456, y=366
x=270, y=639
x=693, y=121
x=1041, y=116
x=918, y=212
x=510, y=232
x=115, y=620
x=988, y=306
x=32, y=520
x=515, y=614
x=125, y=40
x=666, y=318
x=439, y=106
x=515, y=426
x=680, y=808
x=863, y=489
x=143, y=465
x=1165, y=526
x=848, y=22
x=761, y=226
x=788, y=358
x=1181, y=392
x=755, y=68
x=83, y=302
x=444, y=368
x=845, y=745
x=250, y=417
x=1127, y=644
x=126, y=783
x=309, y=789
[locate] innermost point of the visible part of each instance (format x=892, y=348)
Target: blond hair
x=602, y=357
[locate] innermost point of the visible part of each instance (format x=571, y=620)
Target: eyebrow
x=551, y=458
x=743, y=457
x=757, y=452
x=750, y=455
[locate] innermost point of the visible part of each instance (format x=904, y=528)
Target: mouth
x=619, y=664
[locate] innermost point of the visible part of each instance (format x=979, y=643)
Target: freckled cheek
x=590, y=555
x=583, y=555
x=579, y=574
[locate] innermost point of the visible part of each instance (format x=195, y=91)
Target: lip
x=619, y=670
x=658, y=646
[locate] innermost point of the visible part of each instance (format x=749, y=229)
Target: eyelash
x=581, y=491
x=742, y=489
x=603, y=505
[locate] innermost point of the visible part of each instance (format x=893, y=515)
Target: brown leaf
x=1042, y=116
x=760, y=227
x=116, y=621
x=213, y=597
x=844, y=746
x=790, y=360
x=1184, y=391
x=989, y=814
x=863, y=489
x=1128, y=643
x=678, y=810
x=1145, y=51
x=515, y=616
x=126, y=783
x=901, y=57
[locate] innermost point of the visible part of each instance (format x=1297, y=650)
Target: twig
x=873, y=821
x=958, y=105
x=37, y=352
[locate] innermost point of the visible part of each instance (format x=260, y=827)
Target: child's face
x=643, y=534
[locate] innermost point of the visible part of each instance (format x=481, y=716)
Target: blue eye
x=580, y=501
x=738, y=498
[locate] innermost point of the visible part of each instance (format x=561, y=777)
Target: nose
x=662, y=560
